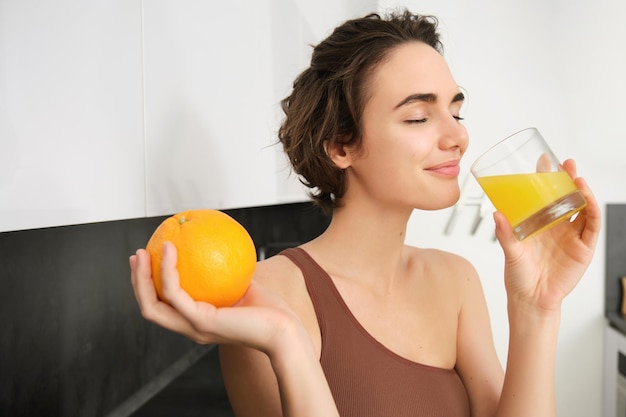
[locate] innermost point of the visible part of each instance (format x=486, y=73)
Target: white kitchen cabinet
x=71, y=145
x=214, y=77
x=211, y=105
x=125, y=109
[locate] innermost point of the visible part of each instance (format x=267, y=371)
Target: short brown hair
x=328, y=98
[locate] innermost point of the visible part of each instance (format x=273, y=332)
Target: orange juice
x=519, y=196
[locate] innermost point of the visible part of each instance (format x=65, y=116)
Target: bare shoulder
x=280, y=275
x=449, y=272
x=443, y=263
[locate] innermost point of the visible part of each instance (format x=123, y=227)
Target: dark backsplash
x=73, y=342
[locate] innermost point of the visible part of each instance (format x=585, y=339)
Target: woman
x=355, y=322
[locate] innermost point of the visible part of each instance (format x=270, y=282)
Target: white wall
x=557, y=65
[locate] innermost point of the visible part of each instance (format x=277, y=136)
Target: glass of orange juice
x=525, y=182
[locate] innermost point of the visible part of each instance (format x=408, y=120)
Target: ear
x=339, y=154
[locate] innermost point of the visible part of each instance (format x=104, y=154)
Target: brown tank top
x=365, y=378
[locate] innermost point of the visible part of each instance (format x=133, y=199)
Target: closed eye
x=416, y=121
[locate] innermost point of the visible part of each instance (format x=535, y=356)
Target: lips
x=446, y=169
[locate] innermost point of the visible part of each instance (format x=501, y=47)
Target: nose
x=453, y=135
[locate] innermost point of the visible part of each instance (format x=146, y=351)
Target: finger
x=196, y=314
x=592, y=214
x=544, y=163
x=141, y=277
x=569, y=166
x=592, y=211
x=589, y=220
x=504, y=234
x=170, y=279
x=153, y=309
x=132, y=262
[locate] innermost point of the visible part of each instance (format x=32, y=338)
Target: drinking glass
x=523, y=179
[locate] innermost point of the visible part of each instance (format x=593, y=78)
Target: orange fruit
x=216, y=255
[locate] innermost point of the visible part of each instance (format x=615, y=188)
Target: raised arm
x=261, y=320
x=539, y=273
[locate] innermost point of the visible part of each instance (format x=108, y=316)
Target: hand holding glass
x=524, y=181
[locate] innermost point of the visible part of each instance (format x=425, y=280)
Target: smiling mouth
x=447, y=169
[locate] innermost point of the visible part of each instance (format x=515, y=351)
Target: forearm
x=304, y=391
x=528, y=388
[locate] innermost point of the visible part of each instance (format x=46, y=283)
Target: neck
x=364, y=242
x=370, y=226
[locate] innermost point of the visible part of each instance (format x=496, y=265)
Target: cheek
x=418, y=150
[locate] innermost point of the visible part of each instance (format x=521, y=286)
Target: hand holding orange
x=216, y=255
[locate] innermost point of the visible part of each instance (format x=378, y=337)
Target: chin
x=442, y=201
x=452, y=197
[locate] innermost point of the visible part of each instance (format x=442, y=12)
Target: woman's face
x=412, y=137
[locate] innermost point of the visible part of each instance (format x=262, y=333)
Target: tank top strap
x=325, y=297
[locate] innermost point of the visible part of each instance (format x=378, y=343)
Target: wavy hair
x=327, y=100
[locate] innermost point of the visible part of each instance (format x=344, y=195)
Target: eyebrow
x=427, y=98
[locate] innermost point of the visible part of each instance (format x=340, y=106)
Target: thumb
x=169, y=273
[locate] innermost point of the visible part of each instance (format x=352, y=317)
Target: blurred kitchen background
x=116, y=114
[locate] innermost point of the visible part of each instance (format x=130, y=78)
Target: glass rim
x=498, y=144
